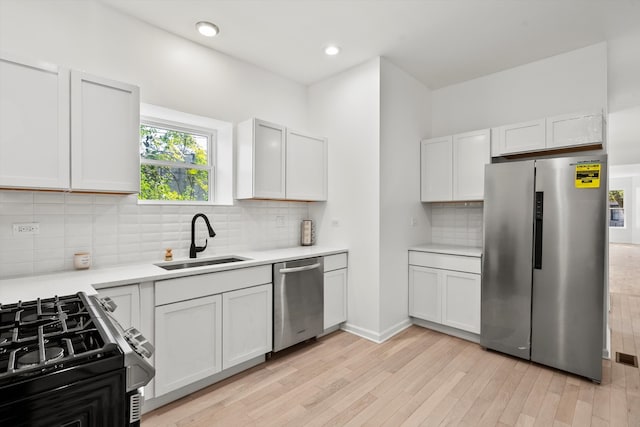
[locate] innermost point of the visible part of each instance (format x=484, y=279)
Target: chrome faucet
x=193, y=250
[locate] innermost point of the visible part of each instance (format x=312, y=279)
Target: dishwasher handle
x=298, y=269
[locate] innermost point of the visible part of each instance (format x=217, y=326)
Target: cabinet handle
x=298, y=269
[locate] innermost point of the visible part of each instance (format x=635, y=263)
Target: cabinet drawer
x=335, y=262
x=447, y=262
x=185, y=288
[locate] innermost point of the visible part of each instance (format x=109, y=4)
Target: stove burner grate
x=33, y=357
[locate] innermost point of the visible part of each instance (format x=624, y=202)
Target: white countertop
x=70, y=282
x=449, y=249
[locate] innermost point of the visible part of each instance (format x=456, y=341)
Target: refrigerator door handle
x=537, y=259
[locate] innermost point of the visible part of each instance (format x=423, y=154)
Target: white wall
x=624, y=99
x=346, y=109
x=171, y=71
x=571, y=82
x=405, y=108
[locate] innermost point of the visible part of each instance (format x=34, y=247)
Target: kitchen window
x=185, y=159
x=616, y=208
x=176, y=162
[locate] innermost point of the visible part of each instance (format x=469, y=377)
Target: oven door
x=94, y=401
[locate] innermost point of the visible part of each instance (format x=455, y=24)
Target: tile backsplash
x=457, y=223
x=117, y=230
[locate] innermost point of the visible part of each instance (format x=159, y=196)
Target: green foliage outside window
x=167, y=157
x=616, y=198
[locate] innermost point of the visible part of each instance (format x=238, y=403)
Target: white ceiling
x=440, y=42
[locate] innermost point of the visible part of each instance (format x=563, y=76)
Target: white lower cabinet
x=425, y=289
x=449, y=296
x=127, y=298
x=461, y=300
x=335, y=290
x=246, y=324
x=206, y=323
x=188, y=342
x=335, y=297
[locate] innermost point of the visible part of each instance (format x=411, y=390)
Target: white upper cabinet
x=436, y=180
x=34, y=125
x=574, y=129
x=49, y=115
x=521, y=137
x=105, y=128
x=261, y=158
x=551, y=133
x=306, y=167
x=276, y=163
x=452, y=167
x=471, y=152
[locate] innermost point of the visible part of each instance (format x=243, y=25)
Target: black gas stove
x=65, y=361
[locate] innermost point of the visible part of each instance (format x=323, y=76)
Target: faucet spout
x=193, y=249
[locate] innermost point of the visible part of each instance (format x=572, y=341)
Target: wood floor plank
x=548, y=410
x=619, y=415
x=423, y=411
x=483, y=374
x=582, y=414
x=602, y=402
x=494, y=412
x=517, y=400
x=567, y=405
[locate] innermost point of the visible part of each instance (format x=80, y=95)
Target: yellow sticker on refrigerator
x=588, y=175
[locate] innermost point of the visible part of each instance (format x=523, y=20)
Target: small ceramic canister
x=82, y=260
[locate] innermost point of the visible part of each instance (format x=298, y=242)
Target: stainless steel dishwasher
x=298, y=301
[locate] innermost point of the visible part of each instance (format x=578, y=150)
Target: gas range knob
x=138, y=342
x=108, y=304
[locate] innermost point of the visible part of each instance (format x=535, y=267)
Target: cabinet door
x=425, y=293
x=335, y=297
x=34, y=125
x=306, y=167
x=269, y=160
x=436, y=163
x=521, y=137
x=471, y=152
x=574, y=129
x=461, y=301
x=105, y=134
x=127, y=298
x=247, y=324
x=188, y=342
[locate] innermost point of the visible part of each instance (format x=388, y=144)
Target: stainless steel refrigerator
x=543, y=267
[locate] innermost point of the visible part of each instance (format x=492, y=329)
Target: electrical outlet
x=413, y=221
x=26, y=228
x=279, y=221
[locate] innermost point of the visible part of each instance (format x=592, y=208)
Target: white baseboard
x=606, y=352
x=377, y=337
x=362, y=332
x=394, y=330
x=447, y=330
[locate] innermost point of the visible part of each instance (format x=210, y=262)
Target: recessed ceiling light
x=332, y=50
x=207, y=28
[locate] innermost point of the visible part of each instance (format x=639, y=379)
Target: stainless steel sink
x=201, y=263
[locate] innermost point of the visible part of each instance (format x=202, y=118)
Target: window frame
x=209, y=133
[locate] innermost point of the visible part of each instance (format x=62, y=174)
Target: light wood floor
x=419, y=377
